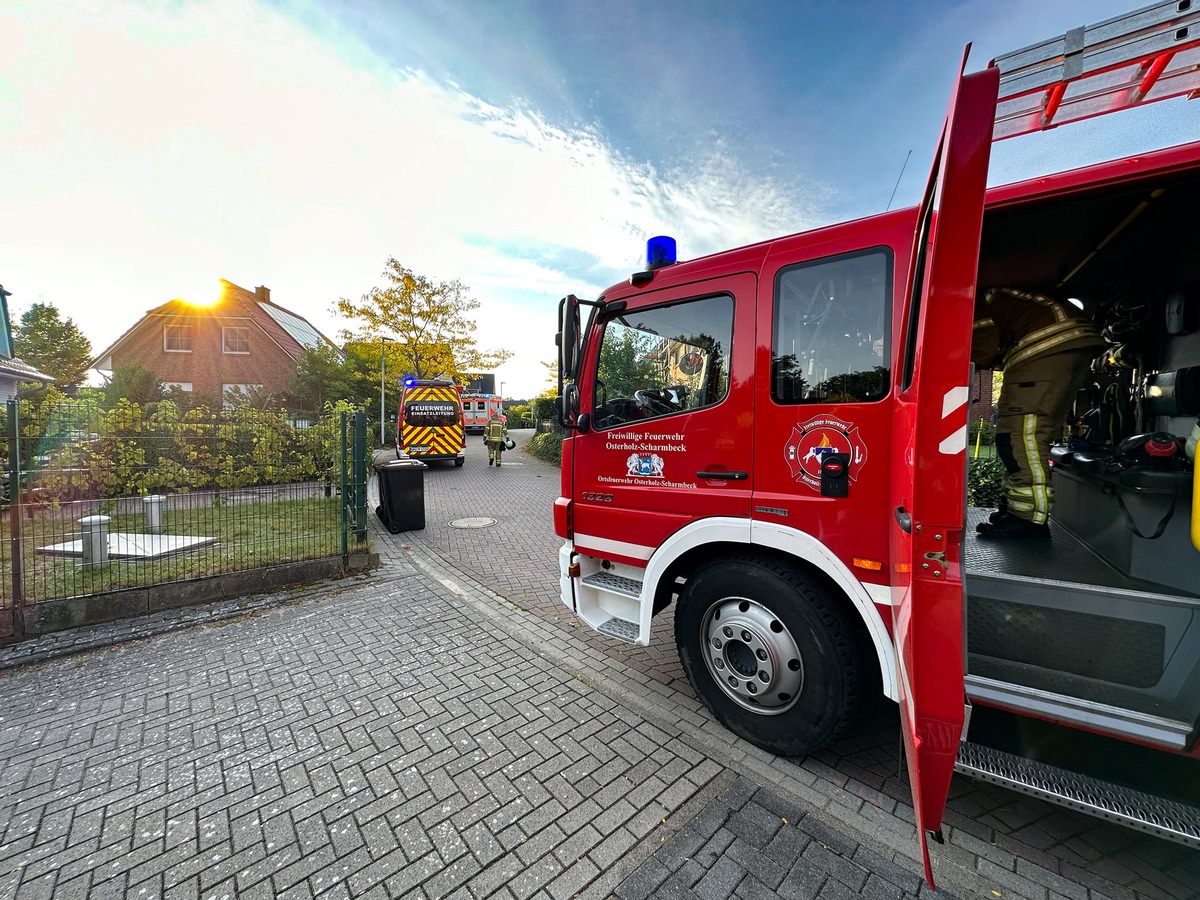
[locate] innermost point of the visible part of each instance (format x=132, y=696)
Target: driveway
x=443, y=728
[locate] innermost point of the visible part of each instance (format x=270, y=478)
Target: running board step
x=620, y=629
x=614, y=584
x=1134, y=809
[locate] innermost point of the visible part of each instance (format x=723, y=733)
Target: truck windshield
x=431, y=414
x=663, y=360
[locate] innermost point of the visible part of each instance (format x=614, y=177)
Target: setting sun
x=202, y=299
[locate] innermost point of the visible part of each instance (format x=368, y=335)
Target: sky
x=525, y=148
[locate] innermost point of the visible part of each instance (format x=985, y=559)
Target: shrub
x=982, y=430
x=985, y=481
x=547, y=447
x=131, y=450
x=543, y=408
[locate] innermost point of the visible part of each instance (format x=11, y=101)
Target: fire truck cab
x=771, y=443
x=431, y=426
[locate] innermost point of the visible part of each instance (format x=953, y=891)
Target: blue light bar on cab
x=660, y=251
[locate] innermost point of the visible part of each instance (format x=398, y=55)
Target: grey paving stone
x=757, y=863
x=844, y=870
x=754, y=824
x=720, y=881
x=803, y=881
x=315, y=749
x=644, y=881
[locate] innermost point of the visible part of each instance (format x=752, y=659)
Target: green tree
x=52, y=345
x=323, y=375
x=132, y=383
x=543, y=408
x=427, y=322
x=518, y=414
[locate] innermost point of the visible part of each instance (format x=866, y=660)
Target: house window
x=178, y=386
x=235, y=340
x=177, y=338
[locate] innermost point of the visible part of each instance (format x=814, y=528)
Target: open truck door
x=1150, y=54
x=928, y=467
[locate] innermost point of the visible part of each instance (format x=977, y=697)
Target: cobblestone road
x=442, y=728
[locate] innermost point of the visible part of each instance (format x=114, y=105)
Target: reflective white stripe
x=1029, y=348
x=622, y=548
x=954, y=400
x=955, y=397
x=906, y=689
x=1037, y=470
x=881, y=594
x=956, y=443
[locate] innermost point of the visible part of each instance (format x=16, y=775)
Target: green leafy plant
x=982, y=431
x=985, y=484
x=547, y=447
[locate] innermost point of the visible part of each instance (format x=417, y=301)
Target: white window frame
x=225, y=339
x=181, y=330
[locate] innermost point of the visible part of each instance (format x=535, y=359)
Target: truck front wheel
x=777, y=661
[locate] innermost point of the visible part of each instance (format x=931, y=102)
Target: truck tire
x=459, y=461
x=770, y=653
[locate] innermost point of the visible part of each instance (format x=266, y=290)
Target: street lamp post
x=382, y=392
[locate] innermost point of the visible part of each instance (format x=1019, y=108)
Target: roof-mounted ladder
x=1142, y=56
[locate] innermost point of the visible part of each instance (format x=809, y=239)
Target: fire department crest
x=816, y=437
x=648, y=465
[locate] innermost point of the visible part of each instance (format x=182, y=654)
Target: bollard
x=95, y=540
x=154, y=513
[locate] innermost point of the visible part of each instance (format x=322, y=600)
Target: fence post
x=360, y=476
x=345, y=499
x=14, y=516
x=95, y=540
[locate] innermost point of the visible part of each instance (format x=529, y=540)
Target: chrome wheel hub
x=752, y=656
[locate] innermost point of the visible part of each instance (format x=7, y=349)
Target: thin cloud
x=151, y=150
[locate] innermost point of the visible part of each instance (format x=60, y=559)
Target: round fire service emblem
x=816, y=437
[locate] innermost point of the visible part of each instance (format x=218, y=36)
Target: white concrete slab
x=134, y=546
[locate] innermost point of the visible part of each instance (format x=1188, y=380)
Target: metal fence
x=97, y=501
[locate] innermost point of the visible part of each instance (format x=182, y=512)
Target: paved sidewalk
x=442, y=728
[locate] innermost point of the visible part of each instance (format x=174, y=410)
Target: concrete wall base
x=37, y=619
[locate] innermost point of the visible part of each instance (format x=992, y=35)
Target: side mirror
x=568, y=337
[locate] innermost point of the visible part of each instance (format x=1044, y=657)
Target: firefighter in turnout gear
x=1044, y=346
x=496, y=436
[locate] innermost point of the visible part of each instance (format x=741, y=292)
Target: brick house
x=982, y=400
x=243, y=343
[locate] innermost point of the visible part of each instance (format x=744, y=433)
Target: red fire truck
x=432, y=425
x=772, y=442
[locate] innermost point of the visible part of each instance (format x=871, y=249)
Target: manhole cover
x=473, y=522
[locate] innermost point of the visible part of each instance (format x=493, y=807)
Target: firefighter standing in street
x=1044, y=346
x=496, y=436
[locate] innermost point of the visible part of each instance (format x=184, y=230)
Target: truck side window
x=832, y=329
x=663, y=360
